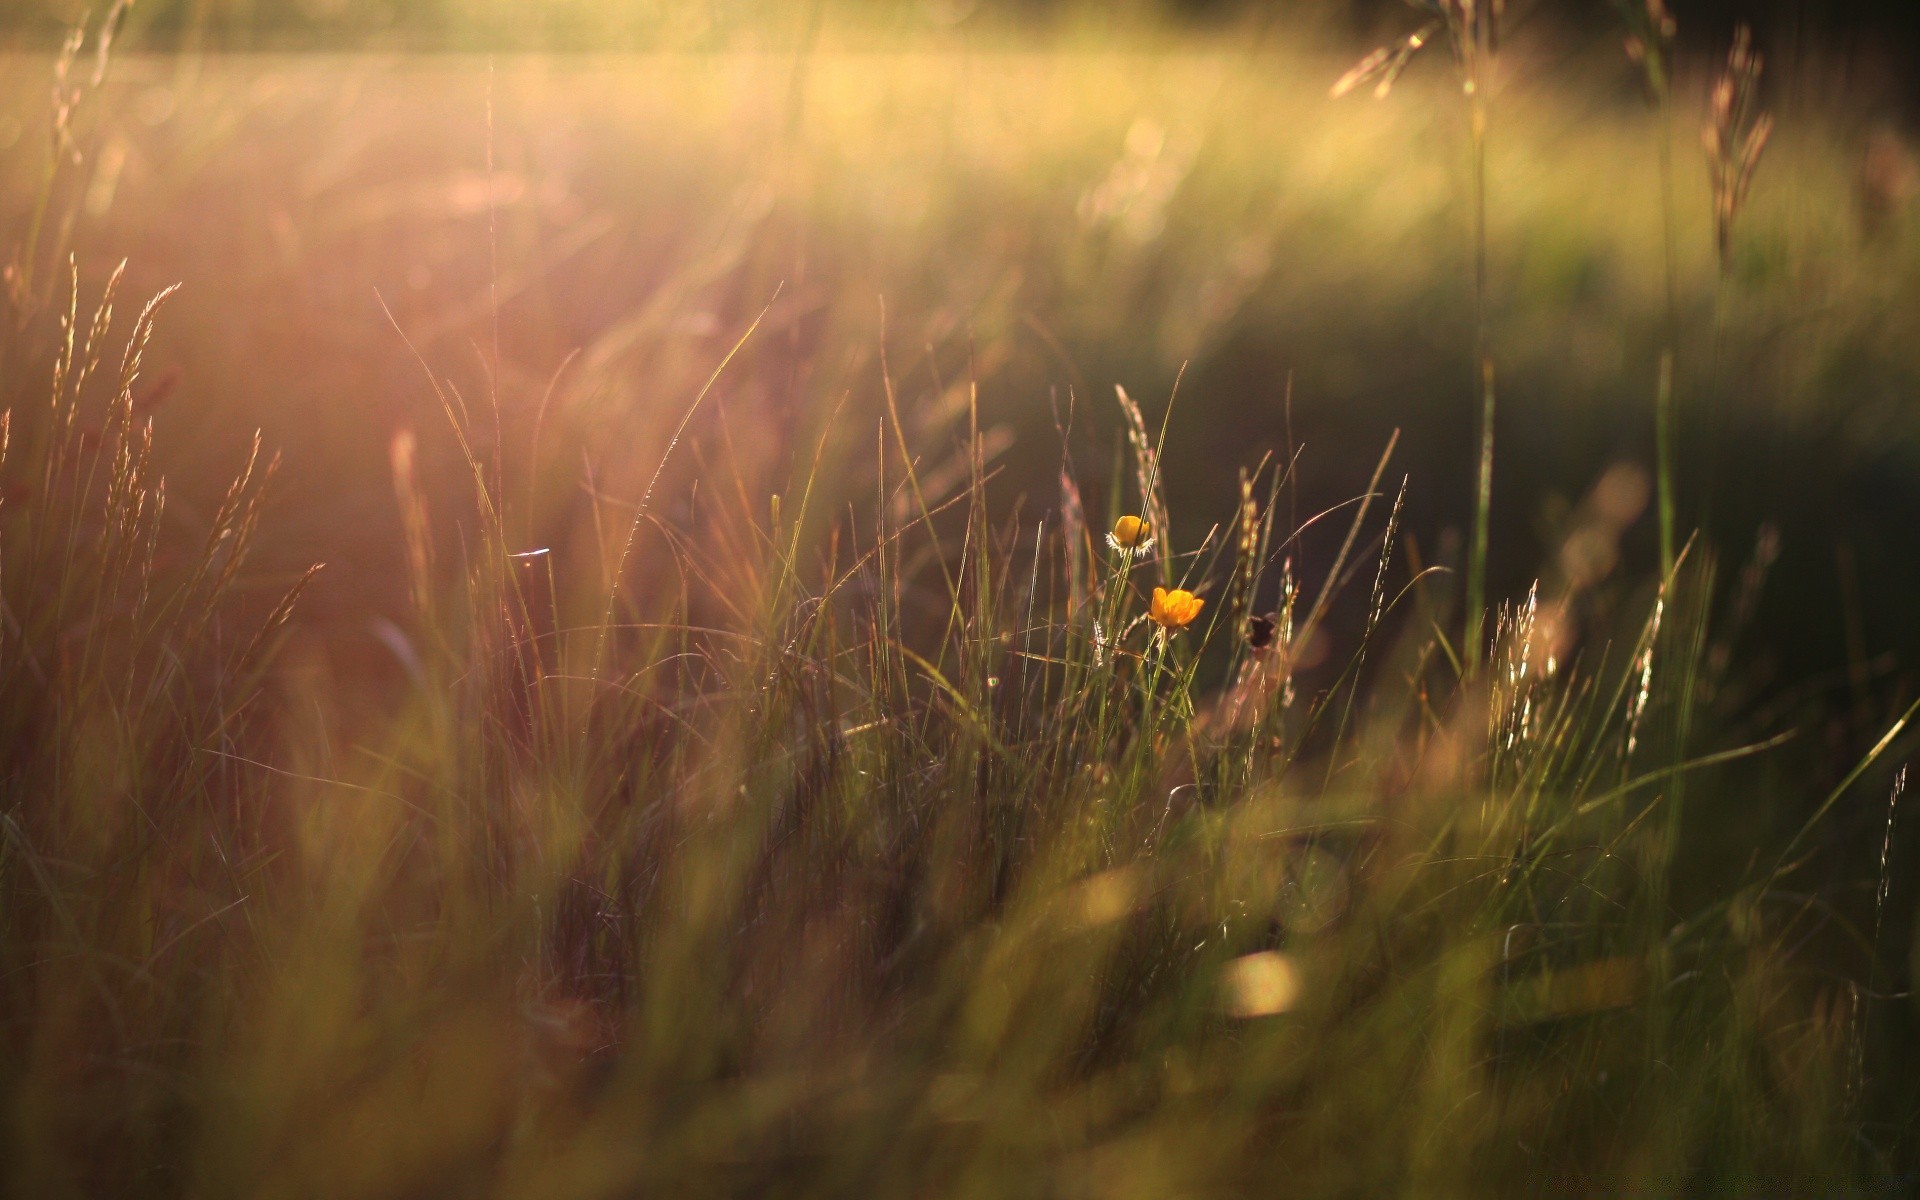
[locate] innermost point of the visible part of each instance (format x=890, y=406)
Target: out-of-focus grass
x=917, y=861
x=718, y=761
x=1038, y=220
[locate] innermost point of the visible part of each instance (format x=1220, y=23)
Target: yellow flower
x=1131, y=535
x=1172, y=610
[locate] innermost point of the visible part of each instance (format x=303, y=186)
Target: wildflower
x=1131, y=535
x=1175, y=609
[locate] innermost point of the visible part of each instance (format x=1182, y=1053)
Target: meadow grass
x=759, y=796
x=888, y=865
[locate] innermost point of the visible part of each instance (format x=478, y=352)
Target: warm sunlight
x=871, y=598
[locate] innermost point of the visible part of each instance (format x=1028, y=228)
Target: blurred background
x=573, y=208
x=584, y=24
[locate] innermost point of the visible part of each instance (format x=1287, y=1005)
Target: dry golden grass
x=722, y=753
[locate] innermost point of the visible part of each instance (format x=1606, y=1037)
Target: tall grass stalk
x=1650, y=33
x=1473, y=31
x=1475, y=34
x=1734, y=136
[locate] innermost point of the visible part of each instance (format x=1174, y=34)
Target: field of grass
x=724, y=751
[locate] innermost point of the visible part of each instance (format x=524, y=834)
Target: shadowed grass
x=762, y=797
x=861, y=863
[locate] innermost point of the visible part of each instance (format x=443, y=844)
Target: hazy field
x=1072, y=219
x=720, y=755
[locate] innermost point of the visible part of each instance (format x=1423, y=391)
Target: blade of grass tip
x=974, y=547
x=1375, y=600
x=1146, y=456
x=455, y=409
x=1294, y=450
x=1429, y=614
x=1155, y=497
x=1341, y=683
x=64, y=916
x=646, y=497
x=1325, y=597
x=493, y=273
x=1860, y=768
x=1644, y=656
x=961, y=704
x=1033, y=591
x=789, y=572
x=1298, y=537
x=907, y=460
x=540, y=422
x=1875, y=969
x=1717, y=758
x=983, y=608
x=1482, y=514
x=1663, y=421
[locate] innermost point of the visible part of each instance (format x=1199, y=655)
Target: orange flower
x=1131, y=535
x=1172, y=610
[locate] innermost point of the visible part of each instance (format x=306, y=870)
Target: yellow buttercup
x=1131, y=535
x=1175, y=609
